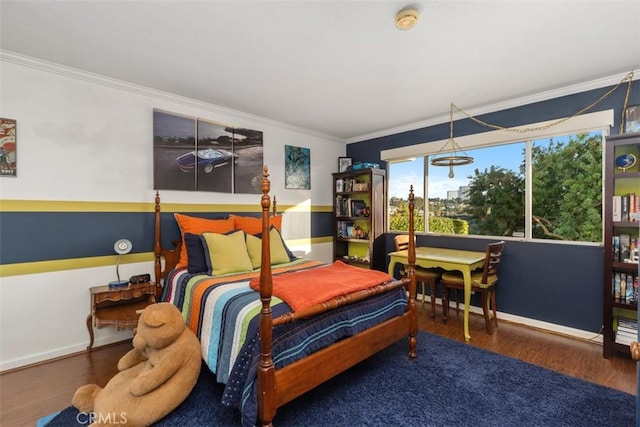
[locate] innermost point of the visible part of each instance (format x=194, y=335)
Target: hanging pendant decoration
x=450, y=150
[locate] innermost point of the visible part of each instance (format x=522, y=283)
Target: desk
x=447, y=259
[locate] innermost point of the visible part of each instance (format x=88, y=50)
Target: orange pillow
x=252, y=225
x=196, y=225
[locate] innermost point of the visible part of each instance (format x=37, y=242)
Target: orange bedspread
x=304, y=289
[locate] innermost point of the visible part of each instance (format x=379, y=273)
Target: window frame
x=600, y=121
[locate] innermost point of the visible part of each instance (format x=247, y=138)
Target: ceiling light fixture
x=450, y=148
x=406, y=19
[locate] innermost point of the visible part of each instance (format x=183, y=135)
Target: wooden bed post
x=157, y=246
x=411, y=258
x=266, y=369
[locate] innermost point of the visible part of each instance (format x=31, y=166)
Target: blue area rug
x=437, y=389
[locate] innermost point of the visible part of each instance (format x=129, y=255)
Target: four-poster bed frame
x=276, y=387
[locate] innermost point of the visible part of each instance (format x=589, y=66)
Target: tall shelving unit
x=622, y=187
x=359, y=200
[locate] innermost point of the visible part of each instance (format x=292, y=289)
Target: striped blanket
x=223, y=312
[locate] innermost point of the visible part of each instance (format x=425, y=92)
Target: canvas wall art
x=198, y=154
x=297, y=167
x=8, y=147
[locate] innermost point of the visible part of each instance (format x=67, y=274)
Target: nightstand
x=118, y=307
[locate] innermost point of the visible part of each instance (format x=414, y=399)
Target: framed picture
x=297, y=168
x=195, y=154
x=344, y=163
x=7, y=147
x=632, y=119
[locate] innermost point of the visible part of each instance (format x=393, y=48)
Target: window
x=548, y=187
x=402, y=175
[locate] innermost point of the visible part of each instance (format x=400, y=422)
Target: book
x=625, y=245
x=358, y=207
x=624, y=208
x=628, y=333
x=616, y=248
x=616, y=209
x=629, y=295
x=616, y=286
x=627, y=330
x=623, y=287
x=624, y=339
x=628, y=321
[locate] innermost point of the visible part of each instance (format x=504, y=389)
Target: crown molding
x=504, y=105
x=113, y=83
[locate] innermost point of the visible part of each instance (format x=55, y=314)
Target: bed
x=266, y=338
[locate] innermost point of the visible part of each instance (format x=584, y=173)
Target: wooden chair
x=424, y=276
x=482, y=280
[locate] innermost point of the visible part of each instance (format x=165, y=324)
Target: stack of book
x=627, y=331
x=625, y=206
x=625, y=287
x=624, y=246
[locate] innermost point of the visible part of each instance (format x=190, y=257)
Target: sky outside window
x=404, y=174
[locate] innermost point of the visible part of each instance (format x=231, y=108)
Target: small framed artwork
x=8, y=147
x=344, y=163
x=297, y=167
x=632, y=119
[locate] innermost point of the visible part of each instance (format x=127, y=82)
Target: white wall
x=83, y=137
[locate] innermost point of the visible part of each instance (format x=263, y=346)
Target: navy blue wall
x=45, y=236
x=556, y=283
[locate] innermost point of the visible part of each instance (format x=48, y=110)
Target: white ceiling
x=337, y=67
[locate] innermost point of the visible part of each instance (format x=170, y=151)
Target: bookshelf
x=622, y=198
x=359, y=200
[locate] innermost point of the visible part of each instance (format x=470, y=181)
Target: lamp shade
x=122, y=246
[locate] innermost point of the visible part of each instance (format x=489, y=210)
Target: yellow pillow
x=226, y=253
x=278, y=252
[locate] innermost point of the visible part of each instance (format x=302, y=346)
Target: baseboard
x=553, y=328
x=35, y=359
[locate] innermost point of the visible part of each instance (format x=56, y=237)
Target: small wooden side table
x=118, y=307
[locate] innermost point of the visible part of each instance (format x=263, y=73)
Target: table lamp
x=122, y=246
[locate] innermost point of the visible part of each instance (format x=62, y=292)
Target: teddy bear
x=635, y=350
x=154, y=377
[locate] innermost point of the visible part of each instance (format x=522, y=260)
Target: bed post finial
x=266, y=368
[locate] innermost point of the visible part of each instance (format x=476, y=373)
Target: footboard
x=275, y=388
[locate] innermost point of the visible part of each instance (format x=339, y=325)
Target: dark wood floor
x=30, y=393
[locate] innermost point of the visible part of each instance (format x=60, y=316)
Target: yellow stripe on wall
x=24, y=268
x=71, y=206
x=82, y=206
